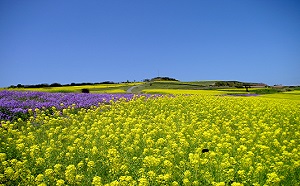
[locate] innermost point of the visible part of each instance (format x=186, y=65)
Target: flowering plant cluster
x=15, y=103
x=179, y=140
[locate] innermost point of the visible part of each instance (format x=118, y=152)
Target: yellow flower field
x=97, y=88
x=292, y=95
x=157, y=141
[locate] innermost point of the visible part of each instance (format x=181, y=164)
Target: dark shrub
x=85, y=90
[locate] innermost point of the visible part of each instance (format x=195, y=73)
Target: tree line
x=45, y=85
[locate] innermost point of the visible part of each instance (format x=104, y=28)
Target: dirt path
x=131, y=88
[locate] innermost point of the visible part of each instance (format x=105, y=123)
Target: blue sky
x=117, y=40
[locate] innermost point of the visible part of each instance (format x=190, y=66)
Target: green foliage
x=163, y=79
x=228, y=83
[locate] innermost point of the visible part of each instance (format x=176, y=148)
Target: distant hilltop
x=161, y=79
x=215, y=83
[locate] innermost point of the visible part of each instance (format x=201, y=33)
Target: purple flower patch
x=16, y=102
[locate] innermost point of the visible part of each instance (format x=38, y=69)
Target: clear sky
x=65, y=41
